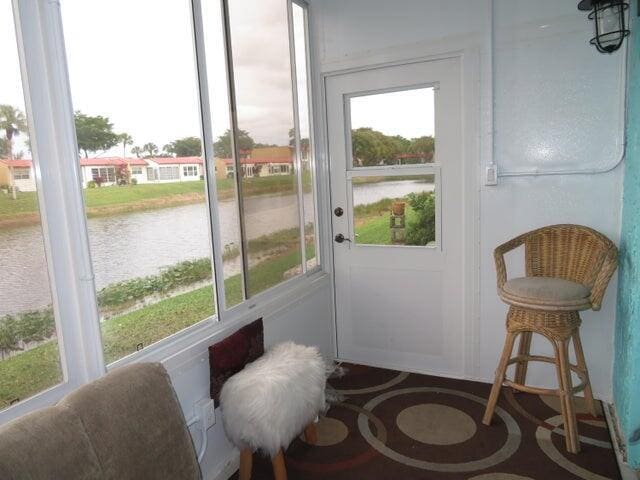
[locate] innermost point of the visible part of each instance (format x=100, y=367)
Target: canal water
x=142, y=243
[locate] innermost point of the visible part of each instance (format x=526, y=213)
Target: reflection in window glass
x=29, y=358
x=136, y=106
x=259, y=37
x=306, y=140
x=222, y=150
x=385, y=130
x=395, y=210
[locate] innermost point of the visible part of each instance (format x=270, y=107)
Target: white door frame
x=472, y=109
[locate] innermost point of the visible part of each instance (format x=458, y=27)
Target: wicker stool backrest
x=572, y=252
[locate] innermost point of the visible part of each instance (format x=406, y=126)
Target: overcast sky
x=133, y=62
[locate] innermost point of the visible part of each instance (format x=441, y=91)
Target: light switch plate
x=491, y=175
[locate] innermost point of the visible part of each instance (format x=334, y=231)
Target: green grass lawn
x=140, y=197
x=37, y=369
x=30, y=372
x=375, y=229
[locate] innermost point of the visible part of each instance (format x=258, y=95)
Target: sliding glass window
x=29, y=354
x=270, y=144
x=137, y=116
x=305, y=137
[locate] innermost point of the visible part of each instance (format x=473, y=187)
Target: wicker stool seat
x=568, y=269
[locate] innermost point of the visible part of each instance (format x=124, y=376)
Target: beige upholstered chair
x=568, y=268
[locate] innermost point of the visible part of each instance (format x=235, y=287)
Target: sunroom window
x=177, y=178
x=150, y=241
x=29, y=354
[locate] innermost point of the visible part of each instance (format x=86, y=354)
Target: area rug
x=400, y=426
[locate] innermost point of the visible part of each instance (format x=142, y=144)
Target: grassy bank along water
x=115, y=200
x=37, y=369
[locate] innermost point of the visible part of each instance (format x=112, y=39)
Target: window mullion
x=209, y=160
x=50, y=113
x=235, y=149
x=296, y=123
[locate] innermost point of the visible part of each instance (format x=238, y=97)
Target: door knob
x=341, y=238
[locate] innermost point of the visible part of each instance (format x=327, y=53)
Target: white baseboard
x=228, y=467
x=617, y=440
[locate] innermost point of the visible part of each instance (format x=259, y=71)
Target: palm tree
x=137, y=151
x=151, y=149
x=126, y=139
x=13, y=122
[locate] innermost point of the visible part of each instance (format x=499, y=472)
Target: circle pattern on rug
x=543, y=437
x=401, y=377
x=580, y=407
x=331, y=431
x=500, y=476
x=436, y=424
x=512, y=444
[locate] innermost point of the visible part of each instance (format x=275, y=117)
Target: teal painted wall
x=626, y=388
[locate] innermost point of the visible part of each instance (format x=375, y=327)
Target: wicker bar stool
x=568, y=268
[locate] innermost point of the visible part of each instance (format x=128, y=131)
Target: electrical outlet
x=206, y=412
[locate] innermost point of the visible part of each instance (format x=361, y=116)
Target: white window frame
x=189, y=170
x=20, y=173
x=136, y=170
x=52, y=131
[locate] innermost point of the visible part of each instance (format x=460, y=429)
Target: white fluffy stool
x=271, y=401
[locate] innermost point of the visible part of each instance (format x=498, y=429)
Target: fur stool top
x=270, y=402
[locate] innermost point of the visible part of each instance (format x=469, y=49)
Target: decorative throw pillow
x=229, y=356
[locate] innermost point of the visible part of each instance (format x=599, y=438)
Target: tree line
x=371, y=148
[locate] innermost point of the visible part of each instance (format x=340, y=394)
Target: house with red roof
x=18, y=173
x=174, y=169
x=105, y=170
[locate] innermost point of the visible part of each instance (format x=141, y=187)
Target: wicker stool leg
x=279, y=467
x=570, y=422
x=246, y=464
x=523, y=350
x=582, y=365
x=500, y=373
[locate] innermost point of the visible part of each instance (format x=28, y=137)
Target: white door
x=395, y=143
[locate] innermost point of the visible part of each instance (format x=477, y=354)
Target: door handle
x=341, y=238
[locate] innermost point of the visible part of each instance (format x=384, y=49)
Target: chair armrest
x=498, y=255
x=602, y=279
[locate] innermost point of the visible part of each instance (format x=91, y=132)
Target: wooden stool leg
x=246, y=464
x=570, y=422
x=582, y=365
x=279, y=468
x=311, y=434
x=523, y=350
x=500, y=373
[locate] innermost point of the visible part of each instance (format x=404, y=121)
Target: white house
x=21, y=171
x=174, y=169
x=106, y=168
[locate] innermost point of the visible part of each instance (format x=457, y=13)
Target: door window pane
x=259, y=38
x=137, y=105
x=29, y=358
x=394, y=128
x=395, y=210
x=306, y=140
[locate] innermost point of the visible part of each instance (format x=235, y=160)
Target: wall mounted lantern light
x=609, y=18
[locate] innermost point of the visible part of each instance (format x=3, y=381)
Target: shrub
x=92, y=184
x=130, y=291
x=134, y=181
x=99, y=181
x=422, y=229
